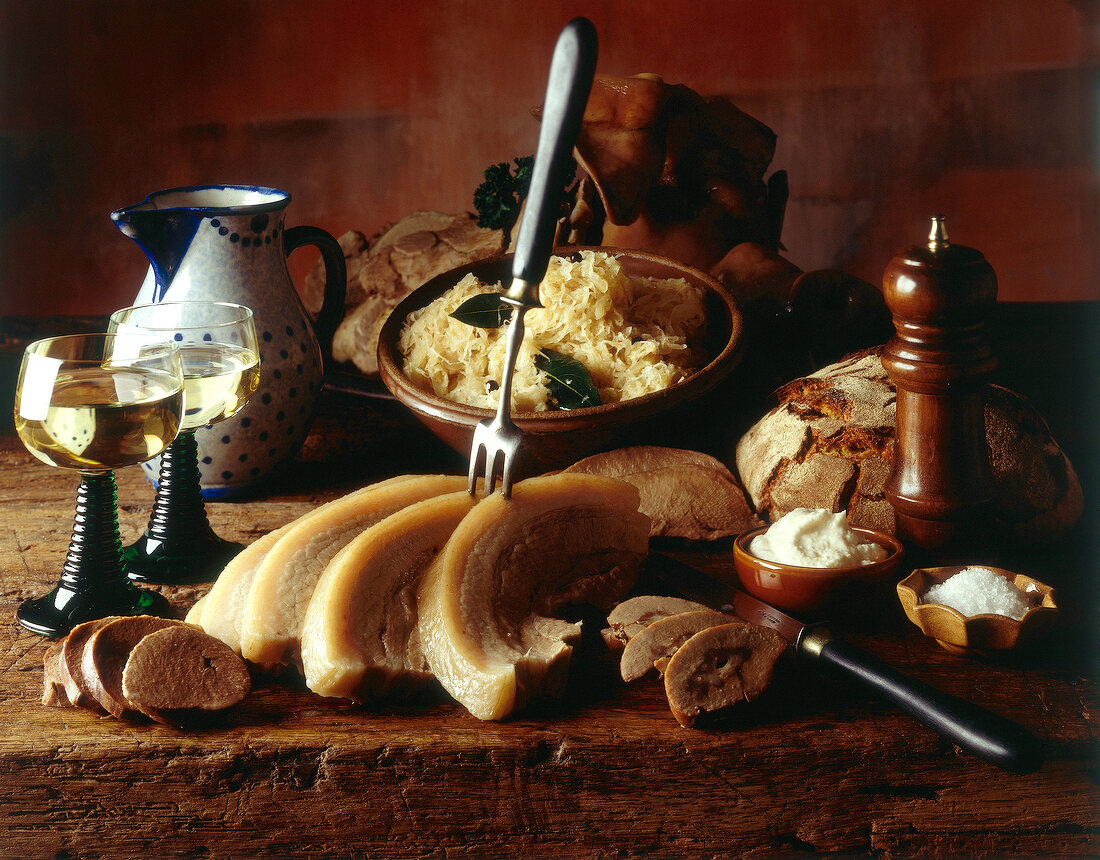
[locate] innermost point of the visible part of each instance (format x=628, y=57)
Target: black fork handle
x=571, y=71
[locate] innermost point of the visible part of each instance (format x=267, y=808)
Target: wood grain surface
x=814, y=767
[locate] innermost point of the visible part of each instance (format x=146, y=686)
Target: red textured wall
x=885, y=111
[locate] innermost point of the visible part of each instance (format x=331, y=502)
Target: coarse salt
x=979, y=591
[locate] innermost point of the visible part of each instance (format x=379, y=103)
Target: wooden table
x=817, y=767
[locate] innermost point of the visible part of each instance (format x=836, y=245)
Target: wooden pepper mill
x=940, y=361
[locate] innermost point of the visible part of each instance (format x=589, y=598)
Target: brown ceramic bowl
x=556, y=439
x=806, y=589
x=975, y=635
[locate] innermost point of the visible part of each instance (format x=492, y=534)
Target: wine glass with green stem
x=221, y=368
x=94, y=403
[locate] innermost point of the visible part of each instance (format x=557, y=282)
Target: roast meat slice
x=222, y=609
x=221, y=612
x=78, y=688
x=685, y=494
x=53, y=686
x=283, y=585
x=105, y=658
x=490, y=604
x=358, y=636
x=194, y=614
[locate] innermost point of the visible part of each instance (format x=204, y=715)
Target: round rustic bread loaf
x=830, y=444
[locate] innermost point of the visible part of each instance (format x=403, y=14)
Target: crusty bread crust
x=830, y=444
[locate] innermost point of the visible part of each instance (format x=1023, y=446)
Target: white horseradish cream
x=815, y=537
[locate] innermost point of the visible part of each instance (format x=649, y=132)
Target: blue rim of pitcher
x=281, y=200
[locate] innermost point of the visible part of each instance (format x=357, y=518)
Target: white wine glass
x=221, y=368
x=94, y=403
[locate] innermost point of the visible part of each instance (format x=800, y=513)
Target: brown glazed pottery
x=806, y=589
x=975, y=635
x=555, y=439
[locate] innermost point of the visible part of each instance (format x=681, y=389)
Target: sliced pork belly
x=488, y=603
x=284, y=580
x=358, y=636
x=221, y=613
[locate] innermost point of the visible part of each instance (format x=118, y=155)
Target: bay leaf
x=569, y=382
x=485, y=310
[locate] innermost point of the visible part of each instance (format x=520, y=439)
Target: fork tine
x=475, y=456
x=491, y=460
x=506, y=476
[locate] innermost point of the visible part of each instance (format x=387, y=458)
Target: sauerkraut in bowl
x=635, y=335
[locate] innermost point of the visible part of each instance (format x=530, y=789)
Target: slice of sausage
x=179, y=675
x=660, y=640
x=53, y=687
x=77, y=687
x=105, y=659
x=720, y=667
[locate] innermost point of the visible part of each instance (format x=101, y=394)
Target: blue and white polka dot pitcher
x=228, y=243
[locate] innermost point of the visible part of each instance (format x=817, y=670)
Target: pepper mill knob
x=941, y=485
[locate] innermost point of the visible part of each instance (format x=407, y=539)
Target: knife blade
x=976, y=730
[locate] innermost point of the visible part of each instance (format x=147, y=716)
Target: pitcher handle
x=336, y=280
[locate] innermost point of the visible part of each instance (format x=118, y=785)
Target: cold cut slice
x=659, y=640
x=720, y=667
x=78, y=689
x=489, y=603
x=283, y=584
x=358, y=636
x=53, y=687
x=105, y=658
x=178, y=675
x=634, y=614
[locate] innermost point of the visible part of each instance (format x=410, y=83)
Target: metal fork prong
x=491, y=470
x=476, y=455
x=495, y=443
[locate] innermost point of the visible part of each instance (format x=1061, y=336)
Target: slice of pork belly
x=283, y=585
x=222, y=611
x=490, y=603
x=358, y=636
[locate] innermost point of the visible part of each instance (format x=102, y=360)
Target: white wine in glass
x=95, y=403
x=221, y=367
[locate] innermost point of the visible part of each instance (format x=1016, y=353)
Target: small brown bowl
x=556, y=439
x=975, y=635
x=805, y=589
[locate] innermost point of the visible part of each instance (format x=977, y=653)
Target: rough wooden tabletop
x=816, y=767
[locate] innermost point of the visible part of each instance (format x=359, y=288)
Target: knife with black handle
x=978, y=731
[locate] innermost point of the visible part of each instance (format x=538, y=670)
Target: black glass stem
x=179, y=546
x=93, y=580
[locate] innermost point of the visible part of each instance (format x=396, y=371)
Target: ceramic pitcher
x=228, y=243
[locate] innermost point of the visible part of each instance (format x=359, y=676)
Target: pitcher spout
x=164, y=224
